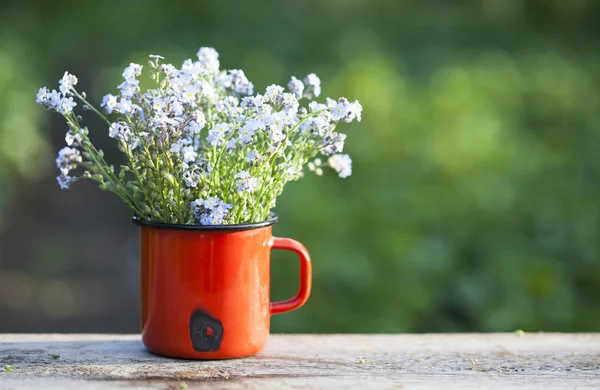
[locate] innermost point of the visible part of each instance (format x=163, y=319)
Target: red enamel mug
x=206, y=289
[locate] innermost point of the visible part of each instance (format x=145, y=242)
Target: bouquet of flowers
x=201, y=147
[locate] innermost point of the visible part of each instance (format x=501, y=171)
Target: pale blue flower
x=177, y=146
x=194, y=127
x=216, y=135
x=273, y=91
x=109, y=103
x=211, y=203
x=125, y=107
x=240, y=83
x=42, y=96
x=252, y=102
x=189, y=154
x=204, y=219
x=231, y=143
x=55, y=99
x=190, y=179
x=246, y=182
x=290, y=103
x=129, y=87
x=296, y=87
x=333, y=143
x=339, y=111
x=188, y=96
x=223, y=80
x=64, y=181
x=253, y=156
x=315, y=126
x=66, y=106
x=247, y=134
x=67, y=159
x=158, y=104
x=119, y=130
x=132, y=71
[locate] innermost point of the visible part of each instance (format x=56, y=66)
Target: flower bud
x=168, y=177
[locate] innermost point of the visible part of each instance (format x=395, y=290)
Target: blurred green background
x=474, y=204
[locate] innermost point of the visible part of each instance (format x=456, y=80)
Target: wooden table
x=449, y=361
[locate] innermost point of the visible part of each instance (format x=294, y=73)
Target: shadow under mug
x=206, y=289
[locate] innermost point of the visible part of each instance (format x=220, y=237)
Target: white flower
x=72, y=138
x=109, y=103
x=66, y=106
x=316, y=106
x=296, y=87
x=42, y=96
x=67, y=83
x=342, y=164
x=208, y=59
x=200, y=118
x=168, y=69
x=246, y=183
x=354, y=112
x=156, y=57
x=312, y=86
x=132, y=71
x=275, y=134
x=189, y=154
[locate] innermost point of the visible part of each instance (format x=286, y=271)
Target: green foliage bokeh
x=474, y=200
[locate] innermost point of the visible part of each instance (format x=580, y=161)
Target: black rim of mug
x=208, y=228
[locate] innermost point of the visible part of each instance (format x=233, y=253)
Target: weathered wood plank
x=460, y=361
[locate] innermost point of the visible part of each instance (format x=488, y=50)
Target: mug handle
x=305, y=275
